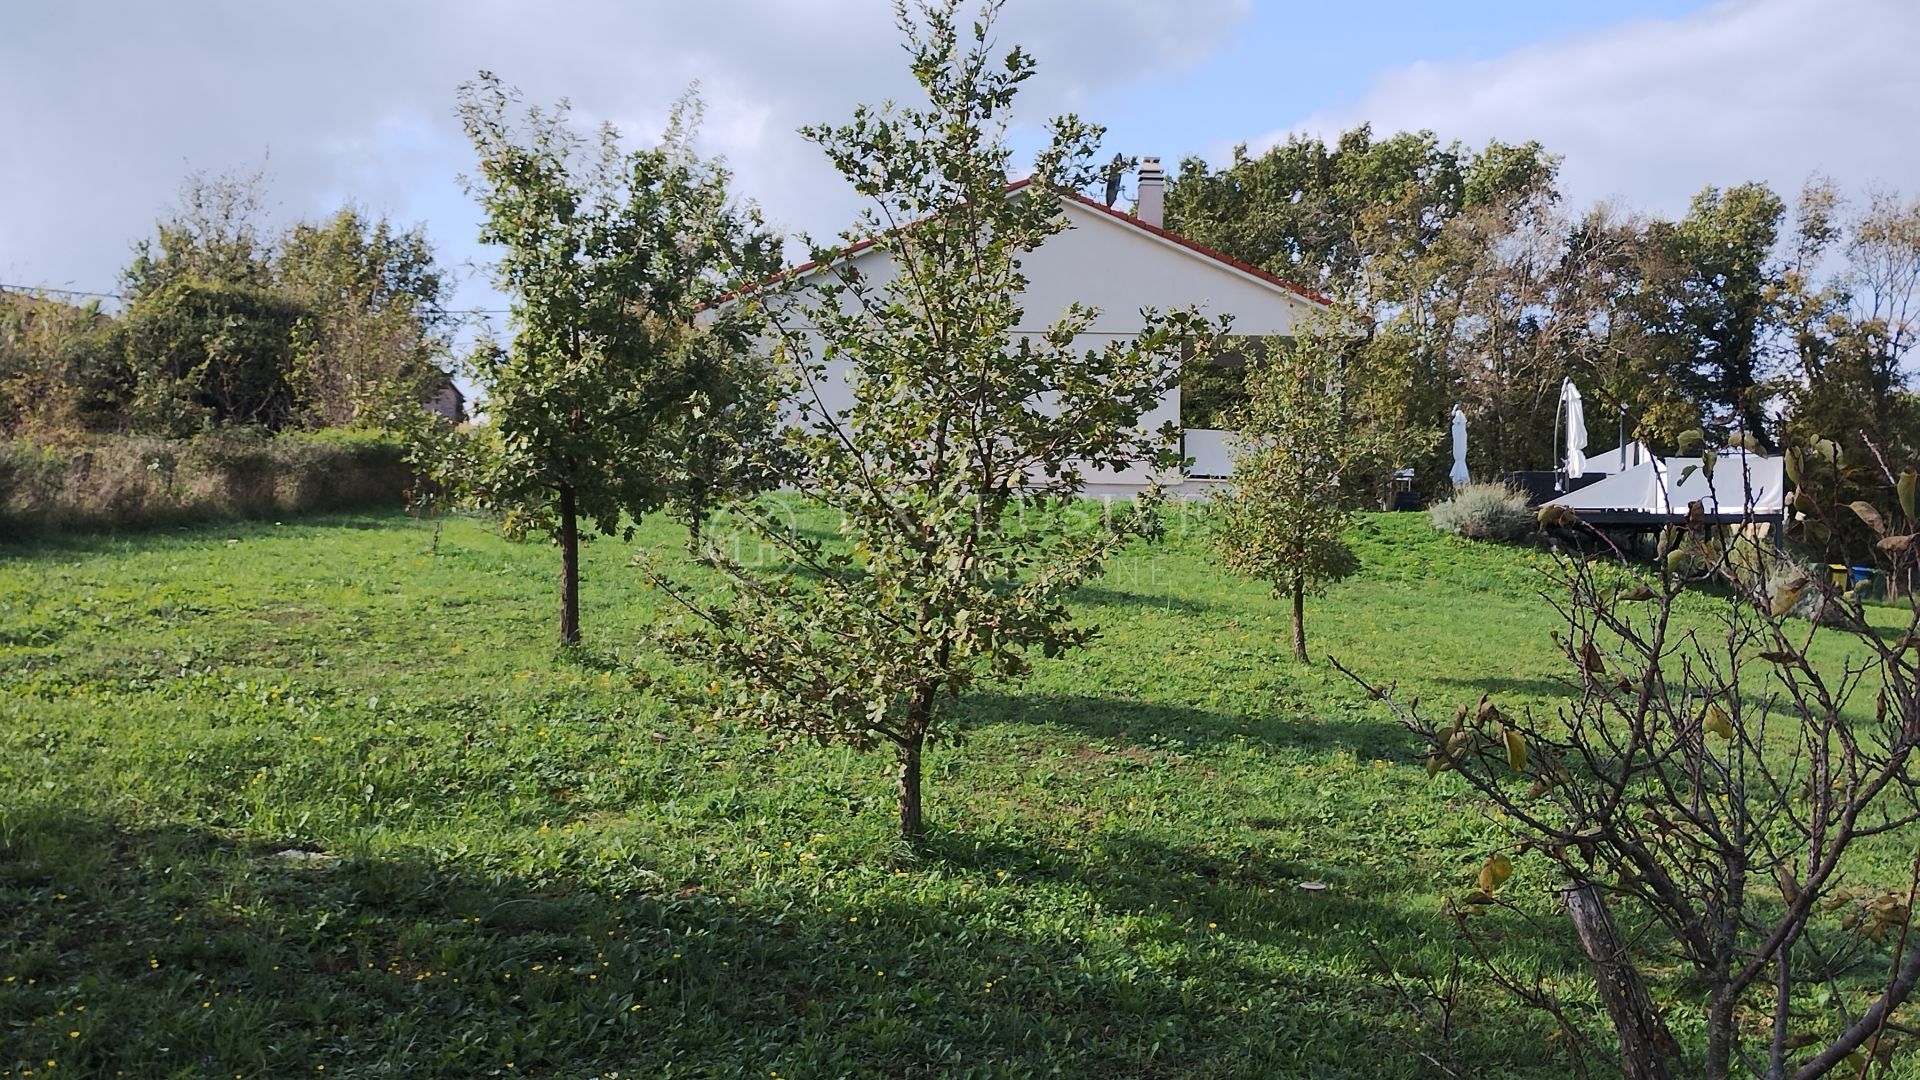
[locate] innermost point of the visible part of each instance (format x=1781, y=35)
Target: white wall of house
x=1120, y=268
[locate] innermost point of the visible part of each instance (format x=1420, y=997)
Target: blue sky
x=1646, y=101
x=1287, y=61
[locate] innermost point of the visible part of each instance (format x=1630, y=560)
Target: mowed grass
x=323, y=799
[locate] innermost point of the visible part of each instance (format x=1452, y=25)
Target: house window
x=1212, y=389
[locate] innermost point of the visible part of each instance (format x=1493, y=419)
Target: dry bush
x=131, y=482
x=1485, y=512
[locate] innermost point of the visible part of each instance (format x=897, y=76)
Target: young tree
x=610, y=258
x=1296, y=473
x=964, y=443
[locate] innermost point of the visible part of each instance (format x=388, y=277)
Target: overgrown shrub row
x=116, y=482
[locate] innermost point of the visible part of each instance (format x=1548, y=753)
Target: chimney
x=1150, y=202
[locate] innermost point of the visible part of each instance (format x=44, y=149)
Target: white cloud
x=113, y=103
x=1651, y=111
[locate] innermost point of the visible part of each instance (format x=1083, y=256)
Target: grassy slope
x=521, y=864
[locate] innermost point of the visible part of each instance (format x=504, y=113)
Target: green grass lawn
x=316, y=799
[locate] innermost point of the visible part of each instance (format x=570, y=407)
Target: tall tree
x=610, y=258
x=60, y=371
x=1847, y=336
x=208, y=337
x=1401, y=229
x=1725, y=245
x=1324, y=215
x=372, y=326
x=1297, y=476
x=1614, y=301
x=965, y=438
x=1883, y=256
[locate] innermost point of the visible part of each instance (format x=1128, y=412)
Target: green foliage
x=615, y=387
x=227, y=325
x=1725, y=246
x=208, y=339
x=1429, y=242
x=1485, y=512
x=1297, y=472
x=59, y=369
x=1851, y=339
x=206, y=353
x=372, y=334
x=1320, y=214
x=214, y=234
x=1480, y=291
x=960, y=442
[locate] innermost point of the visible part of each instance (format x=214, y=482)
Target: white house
x=1120, y=263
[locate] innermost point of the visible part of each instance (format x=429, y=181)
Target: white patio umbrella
x=1576, y=430
x=1459, y=473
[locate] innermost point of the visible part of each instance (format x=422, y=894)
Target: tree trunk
x=1628, y=1004
x=911, y=825
x=1300, y=618
x=569, y=568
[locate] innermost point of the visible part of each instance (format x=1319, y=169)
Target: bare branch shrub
x=1710, y=792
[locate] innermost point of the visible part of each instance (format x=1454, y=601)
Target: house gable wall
x=1119, y=268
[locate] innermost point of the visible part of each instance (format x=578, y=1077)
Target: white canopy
x=1576, y=429
x=1459, y=473
x=1618, y=458
x=1743, y=485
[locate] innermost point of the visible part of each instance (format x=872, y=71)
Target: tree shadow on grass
x=589, y=657
x=1537, y=689
x=197, y=954
x=1105, y=596
x=1244, y=906
x=1185, y=727
x=161, y=537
